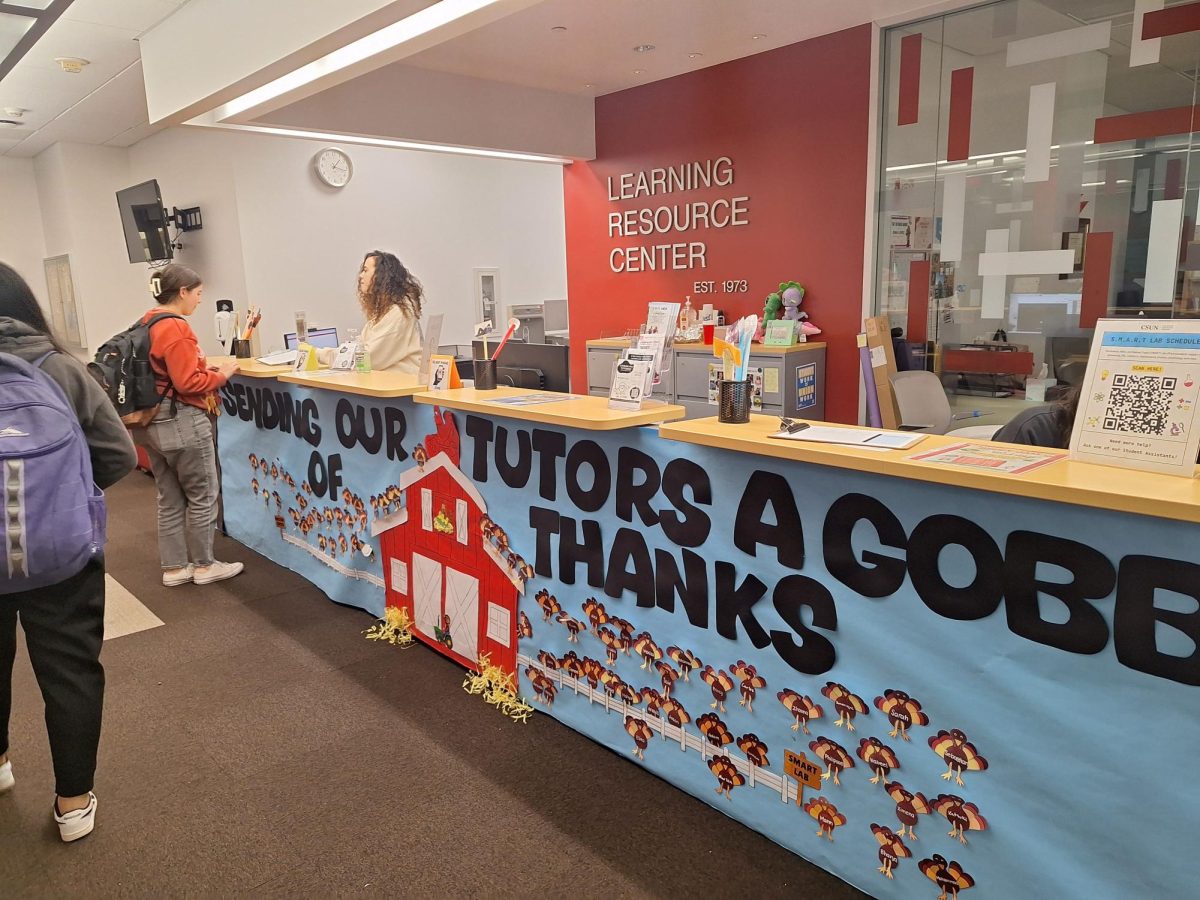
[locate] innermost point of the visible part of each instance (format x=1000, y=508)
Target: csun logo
x=12, y=432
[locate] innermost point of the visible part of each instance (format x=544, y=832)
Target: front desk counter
x=843, y=649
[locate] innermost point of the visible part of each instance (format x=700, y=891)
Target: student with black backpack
x=60, y=442
x=179, y=437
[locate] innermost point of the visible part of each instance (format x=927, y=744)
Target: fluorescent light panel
x=386, y=142
x=407, y=29
x=1059, y=44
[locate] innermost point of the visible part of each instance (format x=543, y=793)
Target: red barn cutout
x=444, y=565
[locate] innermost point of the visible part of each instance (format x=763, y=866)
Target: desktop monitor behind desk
x=317, y=337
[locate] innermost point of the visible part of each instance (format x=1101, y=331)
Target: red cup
x=708, y=334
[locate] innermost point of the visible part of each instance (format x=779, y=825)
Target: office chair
x=924, y=407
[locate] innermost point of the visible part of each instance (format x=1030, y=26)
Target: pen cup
x=733, y=401
x=485, y=374
x=241, y=349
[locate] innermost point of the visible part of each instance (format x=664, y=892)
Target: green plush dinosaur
x=772, y=307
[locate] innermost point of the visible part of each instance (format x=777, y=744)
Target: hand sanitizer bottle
x=362, y=359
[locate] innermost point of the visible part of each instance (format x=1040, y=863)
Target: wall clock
x=333, y=167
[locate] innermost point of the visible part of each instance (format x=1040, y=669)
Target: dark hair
x=393, y=285
x=17, y=302
x=1064, y=415
x=167, y=282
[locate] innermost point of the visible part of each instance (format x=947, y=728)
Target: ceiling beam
x=43, y=19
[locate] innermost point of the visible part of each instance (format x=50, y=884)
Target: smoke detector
x=14, y=112
x=72, y=64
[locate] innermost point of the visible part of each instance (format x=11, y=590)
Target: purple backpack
x=53, y=512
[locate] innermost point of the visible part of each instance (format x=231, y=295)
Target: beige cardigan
x=394, y=343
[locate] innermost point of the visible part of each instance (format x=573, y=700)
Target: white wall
x=22, y=244
x=76, y=186
x=275, y=236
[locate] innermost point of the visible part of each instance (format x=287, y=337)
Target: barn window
x=427, y=509
x=499, y=627
x=399, y=577
x=460, y=520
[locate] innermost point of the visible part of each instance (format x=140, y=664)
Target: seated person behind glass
x=1048, y=425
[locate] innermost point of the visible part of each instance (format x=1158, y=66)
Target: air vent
x=9, y=123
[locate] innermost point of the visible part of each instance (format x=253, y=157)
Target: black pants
x=64, y=629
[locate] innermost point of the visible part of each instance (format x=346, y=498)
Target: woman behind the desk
x=391, y=301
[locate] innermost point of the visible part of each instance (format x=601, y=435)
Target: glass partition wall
x=1035, y=176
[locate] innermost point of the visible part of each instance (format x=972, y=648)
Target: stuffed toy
x=791, y=293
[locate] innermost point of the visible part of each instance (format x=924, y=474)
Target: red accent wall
x=795, y=123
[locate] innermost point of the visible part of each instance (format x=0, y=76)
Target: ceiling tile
x=132, y=15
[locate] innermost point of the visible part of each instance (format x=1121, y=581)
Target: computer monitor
x=144, y=222
x=552, y=361
x=318, y=337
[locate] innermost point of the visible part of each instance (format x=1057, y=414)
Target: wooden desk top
x=755, y=349
x=372, y=384
x=1066, y=481
x=251, y=368
x=573, y=411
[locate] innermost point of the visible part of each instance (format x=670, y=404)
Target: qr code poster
x=1140, y=398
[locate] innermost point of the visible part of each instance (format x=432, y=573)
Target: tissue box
x=1035, y=388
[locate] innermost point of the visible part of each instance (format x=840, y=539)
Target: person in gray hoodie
x=63, y=623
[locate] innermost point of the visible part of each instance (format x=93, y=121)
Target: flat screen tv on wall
x=145, y=223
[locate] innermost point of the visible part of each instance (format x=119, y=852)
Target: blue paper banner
x=1010, y=679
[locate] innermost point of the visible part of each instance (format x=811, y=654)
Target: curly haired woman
x=391, y=300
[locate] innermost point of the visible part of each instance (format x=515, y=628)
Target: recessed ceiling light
x=72, y=64
x=695, y=54
x=589, y=85
x=757, y=37
x=637, y=71
x=643, y=48
x=14, y=112
x=558, y=28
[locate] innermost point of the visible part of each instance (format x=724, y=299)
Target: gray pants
x=184, y=463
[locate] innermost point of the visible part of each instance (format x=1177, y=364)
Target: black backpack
x=122, y=366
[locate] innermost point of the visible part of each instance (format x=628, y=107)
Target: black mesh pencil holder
x=733, y=401
x=485, y=374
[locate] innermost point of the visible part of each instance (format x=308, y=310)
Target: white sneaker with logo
x=6, y=777
x=78, y=823
x=218, y=571
x=179, y=576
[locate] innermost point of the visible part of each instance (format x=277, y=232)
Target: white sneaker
x=6, y=777
x=179, y=576
x=74, y=825
x=218, y=571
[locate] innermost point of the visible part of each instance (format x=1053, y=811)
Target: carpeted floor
x=257, y=743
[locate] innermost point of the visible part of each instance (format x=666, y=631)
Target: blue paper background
x=1089, y=789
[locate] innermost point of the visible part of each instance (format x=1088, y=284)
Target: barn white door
x=462, y=606
x=427, y=593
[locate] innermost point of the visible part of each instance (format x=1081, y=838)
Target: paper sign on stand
x=443, y=374
x=1140, y=399
x=306, y=358
x=343, y=359
x=429, y=343
x=630, y=382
